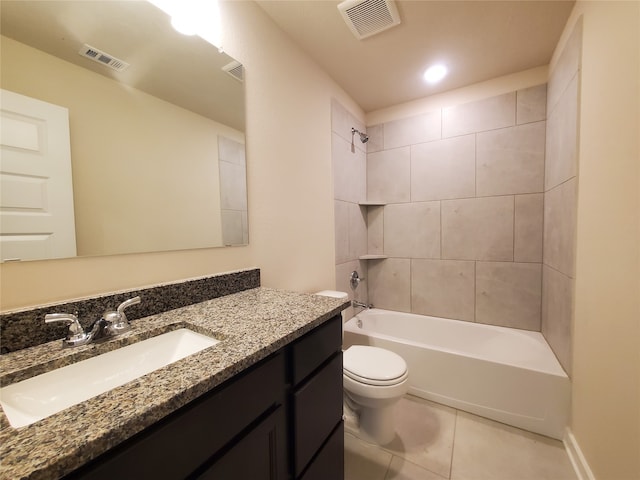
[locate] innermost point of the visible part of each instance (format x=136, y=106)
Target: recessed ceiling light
x=435, y=73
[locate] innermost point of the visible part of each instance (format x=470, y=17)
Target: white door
x=36, y=205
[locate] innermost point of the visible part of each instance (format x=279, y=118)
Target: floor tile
x=425, y=433
x=363, y=461
x=401, y=469
x=488, y=450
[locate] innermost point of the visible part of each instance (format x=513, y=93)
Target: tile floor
x=435, y=442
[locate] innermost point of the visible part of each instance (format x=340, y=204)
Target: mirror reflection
x=155, y=151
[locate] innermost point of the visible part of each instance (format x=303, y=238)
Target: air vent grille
x=104, y=58
x=235, y=69
x=369, y=17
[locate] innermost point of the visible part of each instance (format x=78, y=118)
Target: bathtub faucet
x=355, y=303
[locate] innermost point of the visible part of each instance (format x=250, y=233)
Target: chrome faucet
x=111, y=324
x=355, y=303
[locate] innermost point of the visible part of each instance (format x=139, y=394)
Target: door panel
x=36, y=191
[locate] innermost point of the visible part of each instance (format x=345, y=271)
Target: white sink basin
x=38, y=397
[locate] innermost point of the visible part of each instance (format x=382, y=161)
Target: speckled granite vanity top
x=251, y=325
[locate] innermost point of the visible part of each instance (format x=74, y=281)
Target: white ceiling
x=478, y=40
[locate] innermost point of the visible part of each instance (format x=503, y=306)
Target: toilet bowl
x=374, y=380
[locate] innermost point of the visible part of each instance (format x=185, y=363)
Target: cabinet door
x=329, y=463
x=260, y=455
x=317, y=410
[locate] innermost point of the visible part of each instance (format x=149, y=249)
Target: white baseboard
x=578, y=461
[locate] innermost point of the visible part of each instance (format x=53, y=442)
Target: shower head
x=364, y=138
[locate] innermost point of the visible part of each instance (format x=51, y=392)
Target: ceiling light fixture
x=194, y=17
x=435, y=73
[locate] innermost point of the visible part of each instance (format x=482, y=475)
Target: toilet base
x=377, y=424
x=373, y=425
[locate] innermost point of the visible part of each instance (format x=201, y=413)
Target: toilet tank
x=334, y=294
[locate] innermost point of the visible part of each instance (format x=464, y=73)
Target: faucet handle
x=125, y=304
x=76, y=334
x=117, y=320
x=354, y=280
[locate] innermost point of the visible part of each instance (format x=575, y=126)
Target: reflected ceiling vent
x=235, y=69
x=103, y=58
x=368, y=17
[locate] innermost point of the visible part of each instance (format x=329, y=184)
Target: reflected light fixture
x=194, y=17
x=435, y=73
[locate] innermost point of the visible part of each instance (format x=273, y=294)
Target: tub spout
x=355, y=303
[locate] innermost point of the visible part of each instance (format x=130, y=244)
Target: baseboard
x=578, y=461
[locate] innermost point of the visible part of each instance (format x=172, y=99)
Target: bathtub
x=504, y=374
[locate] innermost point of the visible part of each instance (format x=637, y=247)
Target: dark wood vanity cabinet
x=280, y=419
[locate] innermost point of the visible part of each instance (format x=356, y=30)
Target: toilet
x=374, y=380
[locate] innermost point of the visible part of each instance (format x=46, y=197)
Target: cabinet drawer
x=329, y=463
x=317, y=409
x=309, y=352
x=177, y=445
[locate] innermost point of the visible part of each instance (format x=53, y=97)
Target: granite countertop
x=251, y=325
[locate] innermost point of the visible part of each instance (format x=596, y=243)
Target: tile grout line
x=453, y=444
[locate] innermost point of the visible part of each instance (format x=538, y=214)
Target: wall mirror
x=156, y=148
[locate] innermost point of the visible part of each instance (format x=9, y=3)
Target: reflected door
x=36, y=205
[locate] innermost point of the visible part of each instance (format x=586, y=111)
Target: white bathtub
x=504, y=374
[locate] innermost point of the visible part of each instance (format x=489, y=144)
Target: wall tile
x=357, y=231
x=342, y=121
x=376, y=138
x=478, y=228
x=528, y=228
x=349, y=171
x=557, y=305
x=411, y=130
x=375, y=230
x=390, y=284
x=232, y=227
x=443, y=288
x=343, y=274
x=511, y=160
x=231, y=151
x=412, y=230
x=509, y=294
x=388, y=175
x=566, y=67
x=531, y=104
x=479, y=116
x=233, y=186
x=341, y=210
x=559, y=227
x=562, y=138
x=443, y=169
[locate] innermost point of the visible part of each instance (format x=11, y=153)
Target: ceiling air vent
x=103, y=58
x=235, y=69
x=368, y=17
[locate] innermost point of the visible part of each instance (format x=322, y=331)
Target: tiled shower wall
x=462, y=223
x=232, y=165
x=470, y=207
x=560, y=199
x=350, y=188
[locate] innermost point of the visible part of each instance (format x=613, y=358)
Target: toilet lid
x=373, y=365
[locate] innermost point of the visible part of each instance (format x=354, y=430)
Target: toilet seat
x=374, y=366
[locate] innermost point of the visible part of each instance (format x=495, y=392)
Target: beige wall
x=606, y=359
x=289, y=186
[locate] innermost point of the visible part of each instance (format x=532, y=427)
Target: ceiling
x=477, y=40
x=185, y=71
